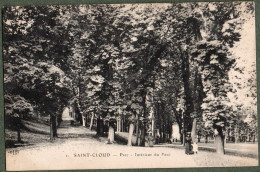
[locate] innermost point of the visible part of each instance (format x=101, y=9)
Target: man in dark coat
x=188, y=147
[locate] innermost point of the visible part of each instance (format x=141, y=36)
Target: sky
x=245, y=53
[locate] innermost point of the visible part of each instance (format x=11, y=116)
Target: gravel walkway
x=78, y=148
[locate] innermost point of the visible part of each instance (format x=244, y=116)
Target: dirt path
x=78, y=148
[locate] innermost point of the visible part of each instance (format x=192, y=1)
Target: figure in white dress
x=195, y=147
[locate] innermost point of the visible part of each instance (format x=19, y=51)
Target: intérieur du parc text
x=99, y=155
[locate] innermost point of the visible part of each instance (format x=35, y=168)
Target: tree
x=35, y=77
x=215, y=63
x=242, y=78
x=16, y=109
x=128, y=61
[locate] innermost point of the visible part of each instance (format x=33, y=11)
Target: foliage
x=169, y=60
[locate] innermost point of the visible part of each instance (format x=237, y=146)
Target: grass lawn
x=32, y=132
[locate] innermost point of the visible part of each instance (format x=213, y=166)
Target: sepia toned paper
x=185, y=71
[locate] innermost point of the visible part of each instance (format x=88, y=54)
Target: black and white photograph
x=130, y=86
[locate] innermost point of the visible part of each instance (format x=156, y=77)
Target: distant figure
x=188, y=147
x=195, y=147
x=150, y=140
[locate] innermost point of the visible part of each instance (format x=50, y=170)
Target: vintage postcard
x=122, y=86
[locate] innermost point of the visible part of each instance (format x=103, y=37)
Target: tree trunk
x=100, y=127
x=164, y=129
x=185, y=68
x=228, y=136
x=169, y=129
x=183, y=138
x=236, y=138
x=83, y=120
x=184, y=131
x=91, y=121
x=199, y=136
x=86, y=120
x=193, y=131
x=59, y=120
x=207, y=138
x=137, y=132
x=54, y=126
x=152, y=127
x=180, y=132
x=219, y=142
x=178, y=117
x=18, y=134
x=248, y=137
x=143, y=131
x=111, y=134
x=19, y=130
x=79, y=118
x=51, y=128
x=142, y=138
x=236, y=134
x=131, y=130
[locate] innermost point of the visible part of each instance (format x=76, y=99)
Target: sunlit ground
x=78, y=148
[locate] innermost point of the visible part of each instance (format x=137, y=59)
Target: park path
x=78, y=148
x=249, y=150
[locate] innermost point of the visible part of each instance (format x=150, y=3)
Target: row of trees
x=169, y=60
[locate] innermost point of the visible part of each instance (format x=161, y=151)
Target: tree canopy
x=171, y=60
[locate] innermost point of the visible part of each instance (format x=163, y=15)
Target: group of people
x=190, y=148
